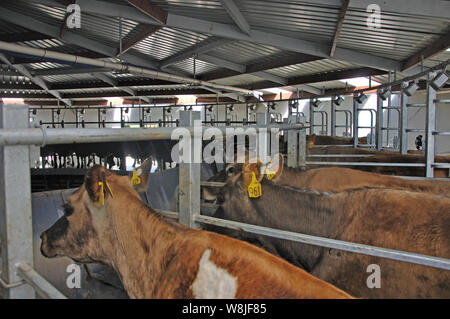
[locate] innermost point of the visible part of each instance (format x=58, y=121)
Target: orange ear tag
x=254, y=189
x=102, y=194
x=135, y=180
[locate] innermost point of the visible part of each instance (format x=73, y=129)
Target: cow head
x=85, y=233
x=238, y=176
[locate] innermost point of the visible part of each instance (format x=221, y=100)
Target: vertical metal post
x=311, y=117
x=15, y=203
x=388, y=132
x=302, y=148
x=430, y=142
x=263, y=139
x=379, y=124
x=189, y=180
x=355, y=122
x=333, y=117
x=292, y=144
x=403, y=122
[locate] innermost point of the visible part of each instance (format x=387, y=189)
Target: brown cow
x=158, y=258
x=339, y=179
x=314, y=139
x=379, y=157
x=395, y=219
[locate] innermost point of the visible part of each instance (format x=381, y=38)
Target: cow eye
x=230, y=170
x=68, y=209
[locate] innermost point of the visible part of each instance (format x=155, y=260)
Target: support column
x=333, y=117
x=15, y=204
x=292, y=143
x=403, y=122
x=189, y=179
x=430, y=141
x=379, y=126
x=355, y=122
x=302, y=148
x=263, y=138
x=311, y=117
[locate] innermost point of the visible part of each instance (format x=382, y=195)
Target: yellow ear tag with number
x=310, y=144
x=102, y=194
x=254, y=189
x=135, y=180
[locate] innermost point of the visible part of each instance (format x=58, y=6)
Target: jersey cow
x=106, y=221
x=390, y=218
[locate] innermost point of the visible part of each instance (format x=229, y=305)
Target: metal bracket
x=11, y=285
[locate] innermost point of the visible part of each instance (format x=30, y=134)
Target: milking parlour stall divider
x=18, y=278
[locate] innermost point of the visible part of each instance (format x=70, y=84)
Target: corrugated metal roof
x=399, y=37
x=312, y=67
x=166, y=42
x=244, y=52
x=200, y=66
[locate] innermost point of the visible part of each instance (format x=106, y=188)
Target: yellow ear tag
x=102, y=194
x=310, y=144
x=270, y=174
x=254, y=189
x=135, y=180
x=109, y=189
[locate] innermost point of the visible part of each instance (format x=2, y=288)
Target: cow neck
x=142, y=245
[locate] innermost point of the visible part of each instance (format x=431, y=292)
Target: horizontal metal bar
x=440, y=165
x=338, y=145
x=367, y=164
x=414, y=258
x=441, y=133
x=416, y=105
x=419, y=178
x=367, y=127
x=340, y=155
x=213, y=184
x=168, y=213
x=415, y=130
x=39, y=283
x=390, y=128
x=38, y=136
x=441, y=101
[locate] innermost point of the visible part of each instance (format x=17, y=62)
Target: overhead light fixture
x=361, y=98
x=148, y=110
x=231, y=108
x=338, y=100
x=210, y=108
x=58, y=111
x=252, y=107
x=81, y=111
x=168, y=110
x=294, y=105
x=273, y=105
x=104, y=111
x=385, y=94
x=316, y=102
x=126, y=110
x=410, y=88
x=439, y=80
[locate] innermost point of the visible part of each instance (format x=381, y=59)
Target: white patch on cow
x=139, y=172
x=213, y=282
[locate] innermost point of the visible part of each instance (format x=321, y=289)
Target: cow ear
x=275, y=168
x=97, y=185
x=248, y=169
x=140, y=176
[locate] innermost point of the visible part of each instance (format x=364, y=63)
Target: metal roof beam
x=199, y=48
x=114, y=83
x=24, y=36
x=236, y=14
x=150, y=9
x=428, y=52
x=137, y=35
x=71, y=37
x=271, y=77
x=260, y=37
x=36, y=80
x=339, y=24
